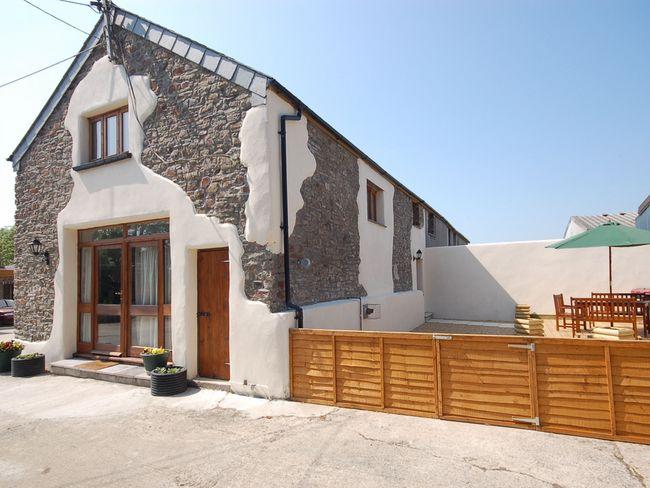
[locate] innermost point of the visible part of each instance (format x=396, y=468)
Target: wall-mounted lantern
x=37, y=250
x=418, y=255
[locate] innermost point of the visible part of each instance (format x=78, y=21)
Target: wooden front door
x=212, y=313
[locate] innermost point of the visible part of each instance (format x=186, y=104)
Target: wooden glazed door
x=212, y=314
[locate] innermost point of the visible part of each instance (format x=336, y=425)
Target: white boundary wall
x=484, y=281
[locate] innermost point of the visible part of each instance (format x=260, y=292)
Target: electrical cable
x=58, y=18
x=47, y=67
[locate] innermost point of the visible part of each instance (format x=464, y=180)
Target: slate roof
x=224, y=66
x=588, y=222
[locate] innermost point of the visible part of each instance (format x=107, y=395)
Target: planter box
x=27, y=367
x=153, y=361
x=168, y=384
x=5, y=360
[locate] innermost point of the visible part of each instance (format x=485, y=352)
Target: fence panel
x=630, y=368
x=571, y=386
x=486, y=379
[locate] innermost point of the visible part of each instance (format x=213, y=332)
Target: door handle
x=202, y=314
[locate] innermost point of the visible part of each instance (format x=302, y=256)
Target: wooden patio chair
x=563, y=313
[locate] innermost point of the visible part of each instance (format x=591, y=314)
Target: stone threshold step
x=127, y=374
x=210, y=384
x=119, y=373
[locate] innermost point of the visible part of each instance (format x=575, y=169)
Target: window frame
x=417, y=220
x=161, y=310
x=373, y=193
x=119, y=143
x=431, y=224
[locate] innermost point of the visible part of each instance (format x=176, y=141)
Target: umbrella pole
x=610, y=269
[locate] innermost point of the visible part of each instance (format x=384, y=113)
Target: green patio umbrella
x=611, y=234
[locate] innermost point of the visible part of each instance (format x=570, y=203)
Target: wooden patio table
x=591, y=310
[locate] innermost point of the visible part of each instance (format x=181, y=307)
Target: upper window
x=109, y=134
x=431, y=224
x=416, y=215
x=375, y=203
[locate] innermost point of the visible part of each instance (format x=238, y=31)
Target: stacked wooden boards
x=527, y=323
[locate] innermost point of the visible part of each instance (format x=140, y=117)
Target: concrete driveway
x=69, y=432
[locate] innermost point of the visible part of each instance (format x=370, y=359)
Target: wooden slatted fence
x=581, y=387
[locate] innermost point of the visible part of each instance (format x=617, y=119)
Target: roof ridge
x=222, y=65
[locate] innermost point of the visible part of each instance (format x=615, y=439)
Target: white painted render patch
x=128, y=191
x=260, y=153
x=375, y=240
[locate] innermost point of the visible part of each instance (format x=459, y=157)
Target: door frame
x=198, y=328
x=125, y=243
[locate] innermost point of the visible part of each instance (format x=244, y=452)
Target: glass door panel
x=144, y=290
x=109, y=298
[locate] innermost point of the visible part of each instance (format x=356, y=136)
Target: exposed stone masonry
x=43, y=188
x=403, y=218
x=193, y=140
x=327, y=229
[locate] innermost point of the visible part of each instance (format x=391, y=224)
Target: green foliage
x=168, y=369
x=7, y=246
x=33, y=355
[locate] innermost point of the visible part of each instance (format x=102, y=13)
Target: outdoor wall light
x=37, y=250
x=418, y=255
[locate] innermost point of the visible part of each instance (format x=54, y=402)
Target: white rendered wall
x=485, y=281
x=375, y=240
x=128, y=191
x=260, y=152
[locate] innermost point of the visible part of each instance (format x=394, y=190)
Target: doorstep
x=210, y=383
x=127, y=374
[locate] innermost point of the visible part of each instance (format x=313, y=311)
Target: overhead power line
x=48, y=67
x=78, y=3
x=58, y=18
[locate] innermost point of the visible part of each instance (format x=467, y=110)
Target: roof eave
x=56, y=96
x=273, y=83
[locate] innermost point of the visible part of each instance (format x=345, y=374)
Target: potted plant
x=168, y=380
x=154, y=357
x=28, y=365
x=8, y=350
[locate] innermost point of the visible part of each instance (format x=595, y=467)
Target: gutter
x=285, y=217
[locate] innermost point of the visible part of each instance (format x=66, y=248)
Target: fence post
x=381, y=367
x=291, y=363
x=436, y=348
x=334, y=367
x=610, y=390
x=532, y=380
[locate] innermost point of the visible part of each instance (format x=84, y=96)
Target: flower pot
x=5, y=360
x=168, y=384
x=27, y=367
x=153, y=361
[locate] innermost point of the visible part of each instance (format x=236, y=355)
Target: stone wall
x=193, y=139
x=327, y=230
x=43, y=187
x=403, y=219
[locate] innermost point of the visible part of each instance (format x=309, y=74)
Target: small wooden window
x=374, y=194
x=416, y=215
x=431, y=224
x=109, y=134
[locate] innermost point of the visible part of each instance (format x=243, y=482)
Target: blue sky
x=506, y=116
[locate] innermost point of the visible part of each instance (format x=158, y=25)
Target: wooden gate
x=571, y=386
